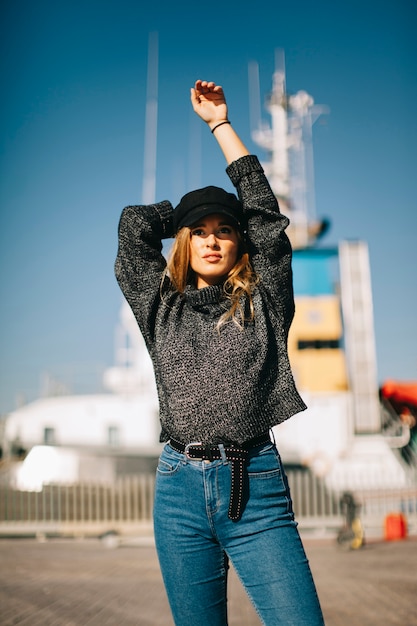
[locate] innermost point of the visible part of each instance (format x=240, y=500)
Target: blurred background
x=96, y=115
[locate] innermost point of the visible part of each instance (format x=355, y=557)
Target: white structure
x=288, y=143
x=126, y=418
x=55, y=465
x=339, y=436
x=85, y=421
x=133, y=370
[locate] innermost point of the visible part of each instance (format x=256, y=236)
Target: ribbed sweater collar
x=200, y=297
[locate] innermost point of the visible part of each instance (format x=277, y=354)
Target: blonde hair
x=240, y=281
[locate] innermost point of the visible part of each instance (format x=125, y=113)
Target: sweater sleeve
x=140, y=263
x=269, y=246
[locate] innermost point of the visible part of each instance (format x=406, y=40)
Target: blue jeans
x=195, y=540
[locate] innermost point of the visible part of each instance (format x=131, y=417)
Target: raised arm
x=209, y=102
x=269, y=246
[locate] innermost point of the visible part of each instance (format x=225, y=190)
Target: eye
x=225, y=230
x=197, y=232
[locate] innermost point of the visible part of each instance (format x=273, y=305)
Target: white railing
x=126, y=506
x=79, y=509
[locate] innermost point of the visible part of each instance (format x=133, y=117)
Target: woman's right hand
x=209, y=102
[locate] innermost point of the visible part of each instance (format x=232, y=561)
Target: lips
x=212, y=258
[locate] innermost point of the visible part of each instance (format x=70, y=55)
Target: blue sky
x=72, y=150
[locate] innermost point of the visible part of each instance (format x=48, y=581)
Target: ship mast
x=287, y=142
x=151, y=122
x=133, y=370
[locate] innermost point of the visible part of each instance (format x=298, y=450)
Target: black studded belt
x=235, y=454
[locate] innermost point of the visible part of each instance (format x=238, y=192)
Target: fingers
x=194, y=97
x=203, y=87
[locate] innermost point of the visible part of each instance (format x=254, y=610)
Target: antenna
x=279, y=58
x=254, y=97
x=151, y=121
x=133, y=368
x=288, y=143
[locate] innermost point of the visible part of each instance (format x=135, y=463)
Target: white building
x=115, y=427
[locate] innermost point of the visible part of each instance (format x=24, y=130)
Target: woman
x=215, y=319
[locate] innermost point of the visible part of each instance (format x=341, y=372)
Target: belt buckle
x=186, y=450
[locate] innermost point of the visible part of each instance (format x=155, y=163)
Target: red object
x=400, y=392
x=395, y=527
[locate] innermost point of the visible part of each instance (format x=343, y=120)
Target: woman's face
x=214, y=246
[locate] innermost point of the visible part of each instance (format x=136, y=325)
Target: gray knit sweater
x=226, y=386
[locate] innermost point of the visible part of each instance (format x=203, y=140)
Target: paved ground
x=82, y=583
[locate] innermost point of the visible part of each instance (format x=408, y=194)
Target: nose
x=211, y=241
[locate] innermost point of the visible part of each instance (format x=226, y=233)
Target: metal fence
x=125, y=507
x=81, y=509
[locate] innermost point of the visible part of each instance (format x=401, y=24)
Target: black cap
x=201, y=202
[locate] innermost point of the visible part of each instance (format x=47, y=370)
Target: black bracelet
x=220, y=124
